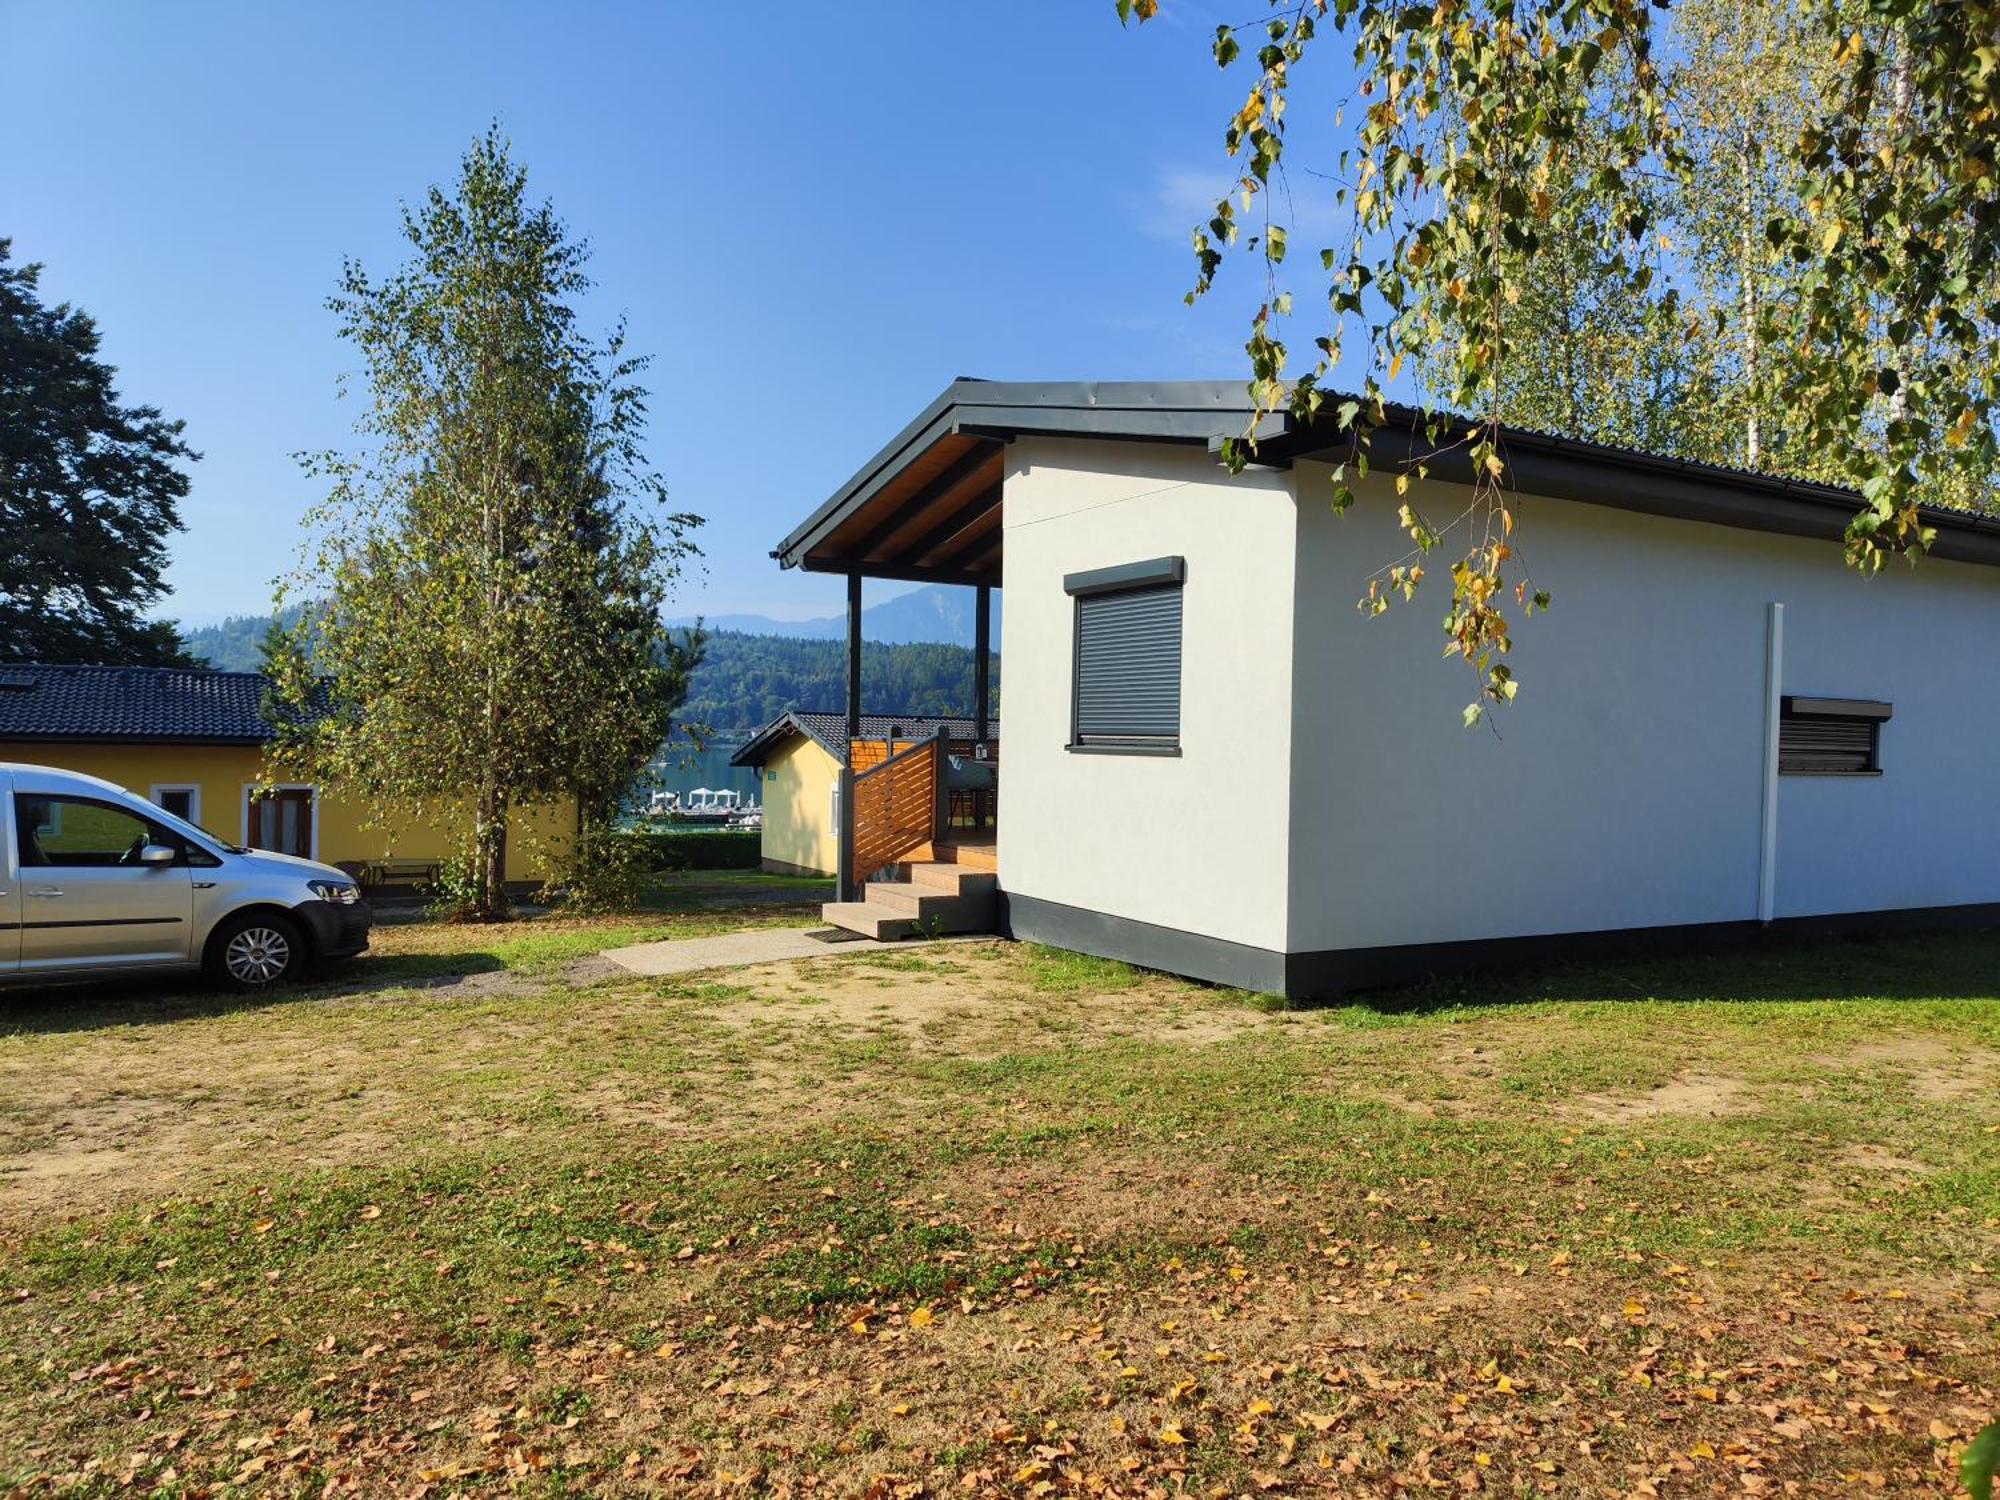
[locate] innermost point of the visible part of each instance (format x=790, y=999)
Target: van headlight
x=339, y=891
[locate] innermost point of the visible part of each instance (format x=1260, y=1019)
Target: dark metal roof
x=837, y=536
x=1542, y=463
x=829, y=732
x=141, y=705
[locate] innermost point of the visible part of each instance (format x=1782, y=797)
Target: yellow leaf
x=860, y=1324
x=922, y=1318
x=372, y=1211
x=1701, y=1450
x=1171, y=1433
x=262, y=1226
x=666, y=1351
x=1830, y=238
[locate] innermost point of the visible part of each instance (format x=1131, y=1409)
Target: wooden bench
x=376, y=873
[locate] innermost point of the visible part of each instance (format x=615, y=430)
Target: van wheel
x=254, y=950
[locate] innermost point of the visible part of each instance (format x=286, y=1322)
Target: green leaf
x=1981, y=1462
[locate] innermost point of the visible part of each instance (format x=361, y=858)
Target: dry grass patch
x=1704, y=1094
x=978, y=1219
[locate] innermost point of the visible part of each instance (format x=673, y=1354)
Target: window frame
x=251, y=791
x=1153, y=575
x=1794, y=708
x=156, y=833
x=192, y=788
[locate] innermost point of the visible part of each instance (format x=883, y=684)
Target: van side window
x=74, y=832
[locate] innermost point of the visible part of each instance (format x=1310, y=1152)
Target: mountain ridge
x=938, y=614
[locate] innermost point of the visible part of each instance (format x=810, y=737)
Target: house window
x=1830, y=736
x=1128, y=658
x=184, y=802
x=284, y=820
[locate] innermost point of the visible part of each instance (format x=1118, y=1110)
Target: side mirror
x=158, y=854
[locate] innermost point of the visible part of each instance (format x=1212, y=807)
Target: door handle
x=44, y=892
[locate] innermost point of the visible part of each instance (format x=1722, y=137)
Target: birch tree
x=1454, y=142
x=490, y=570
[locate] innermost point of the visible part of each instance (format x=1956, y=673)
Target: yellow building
x=193, y=743
x=799, y=757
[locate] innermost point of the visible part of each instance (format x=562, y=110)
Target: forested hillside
x=744, y=680
x=234, y=645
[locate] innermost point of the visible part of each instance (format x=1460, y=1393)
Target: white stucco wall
x=1624, y=789
x=1195, y=842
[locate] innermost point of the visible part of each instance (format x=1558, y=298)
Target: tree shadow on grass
x=1763, y=969
x=147, y=999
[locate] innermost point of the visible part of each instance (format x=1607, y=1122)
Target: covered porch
x=929, y=507
x=928, y=510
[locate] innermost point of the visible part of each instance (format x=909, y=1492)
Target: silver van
x=95, y=880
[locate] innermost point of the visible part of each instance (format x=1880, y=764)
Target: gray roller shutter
x=1128, y=666
x=1830, y=737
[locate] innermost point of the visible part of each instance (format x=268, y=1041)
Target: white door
x=85, y=898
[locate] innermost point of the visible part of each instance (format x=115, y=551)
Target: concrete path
x=731, y=950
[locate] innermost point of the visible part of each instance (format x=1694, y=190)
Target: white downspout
x=1767, y=851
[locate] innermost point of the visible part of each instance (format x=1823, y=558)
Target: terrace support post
x=847, y=887
x=853, y=657
x=982, y=650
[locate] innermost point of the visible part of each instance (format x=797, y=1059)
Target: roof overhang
x=767, y=741
x=1625, y=479
x=927, y=507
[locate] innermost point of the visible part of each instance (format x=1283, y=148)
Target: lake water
x=681, y=768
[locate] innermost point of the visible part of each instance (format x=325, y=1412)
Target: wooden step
x=935, y=910
x=984, y=856
x=958, y=880
x=885, y=924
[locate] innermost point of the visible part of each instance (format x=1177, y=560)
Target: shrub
x=603, y=871
x=452, y=895
x=698, y=849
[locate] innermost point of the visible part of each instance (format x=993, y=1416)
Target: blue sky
x=812, y=216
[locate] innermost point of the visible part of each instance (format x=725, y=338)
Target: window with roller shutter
x=1128, y=657
x=1830, y=736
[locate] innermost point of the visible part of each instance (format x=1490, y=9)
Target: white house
x=1217, y=766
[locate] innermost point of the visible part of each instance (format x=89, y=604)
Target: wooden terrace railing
x=895, y=805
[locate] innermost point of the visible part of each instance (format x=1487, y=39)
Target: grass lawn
x=480, y=1214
